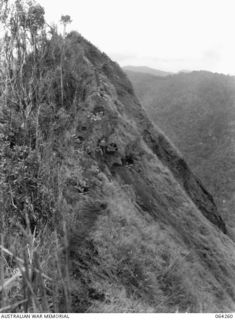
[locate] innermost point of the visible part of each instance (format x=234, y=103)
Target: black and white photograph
x=117, y=158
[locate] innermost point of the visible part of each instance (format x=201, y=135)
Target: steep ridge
x=148, y=204
x=158, y=143
x=144, y=234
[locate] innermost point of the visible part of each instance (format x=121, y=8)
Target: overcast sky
x=170, y=35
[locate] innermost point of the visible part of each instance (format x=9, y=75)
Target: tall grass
x=33, y=276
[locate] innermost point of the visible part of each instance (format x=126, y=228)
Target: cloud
x=122, y=57
x=212, y=54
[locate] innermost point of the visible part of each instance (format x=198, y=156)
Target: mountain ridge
x=136, y=229
x=147, y=70
x=130, y=151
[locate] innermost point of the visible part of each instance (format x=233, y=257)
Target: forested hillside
x=197, y=112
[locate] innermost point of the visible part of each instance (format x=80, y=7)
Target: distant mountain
x=147, y=70
x=197, y=112
x=184, y=71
